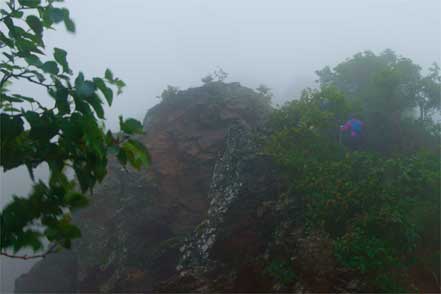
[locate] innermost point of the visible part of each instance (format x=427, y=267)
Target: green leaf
x=9, y=56
x=43, y=126
x=84, y=88
x=10, y=25
x=34, y=60
x=122, y=157
x=28, y=238
x=25, y=98
x=96, y=104
x=10, y=99
x=55, y=14
x=11, y=126
x=17, y=14
x=81, y=105
x=26, y=47
x=130, y=126
x=70, y=25
x=10, y=109
x=72, y=128
x=60, y=57
x=61, y=98
x=79, y=80
x=83, y=178
x=107, y=92
x=136, y=153
x=8, y=42
x=50, y=67
x=120, y=85
x=108, y=75
x=35, y=24
x=76, y=200
x=141, y=151
x=29, y=3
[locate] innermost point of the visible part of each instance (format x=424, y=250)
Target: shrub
x=281, y=272
x=377, y=209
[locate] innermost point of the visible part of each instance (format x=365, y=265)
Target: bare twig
x=51, y=249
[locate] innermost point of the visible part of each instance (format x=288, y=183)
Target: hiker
x=353, y=129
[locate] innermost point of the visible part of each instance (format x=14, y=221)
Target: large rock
x=220, y=255
x=137, y=221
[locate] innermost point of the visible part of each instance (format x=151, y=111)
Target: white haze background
x=150, y=44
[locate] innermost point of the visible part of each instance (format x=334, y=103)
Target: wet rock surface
x=220, y=254
x=137, y=221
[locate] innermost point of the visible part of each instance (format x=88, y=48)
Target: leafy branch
x=68, y=133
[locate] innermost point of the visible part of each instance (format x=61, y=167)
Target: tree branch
x=5, y=78
x=29, y=78
x=51, y=249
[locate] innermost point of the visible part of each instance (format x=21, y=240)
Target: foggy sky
x=280, y=43
x=150, y=44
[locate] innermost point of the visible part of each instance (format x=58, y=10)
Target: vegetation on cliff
x=379, y=205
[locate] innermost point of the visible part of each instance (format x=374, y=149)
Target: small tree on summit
x=207, y=79
x=169, y=93
x=265, y=92
x=218, y=75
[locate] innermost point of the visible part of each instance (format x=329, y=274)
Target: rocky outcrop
x=138, y=221
x=220, y=254
x=209, y=215
x=226, y=186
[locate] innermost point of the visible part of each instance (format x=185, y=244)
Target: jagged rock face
x=187, y=138
x=241, y=179
x=220, y=255
x=137, y=220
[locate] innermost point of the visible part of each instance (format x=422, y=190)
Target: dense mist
x=152, y=44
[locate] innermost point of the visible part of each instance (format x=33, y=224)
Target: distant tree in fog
x=385, y=81
x=219, y=75
x=384, y=89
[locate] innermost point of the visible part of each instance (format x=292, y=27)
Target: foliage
x=375, y=207
x=386, y=79
x=69, y=134
x=307, y=127
x=219, y=75
x=266, y=93
x=428, y=98
x=281, y=272
x=169, y=93
x=387, y=88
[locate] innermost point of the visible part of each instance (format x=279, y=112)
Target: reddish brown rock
x=135, y=216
